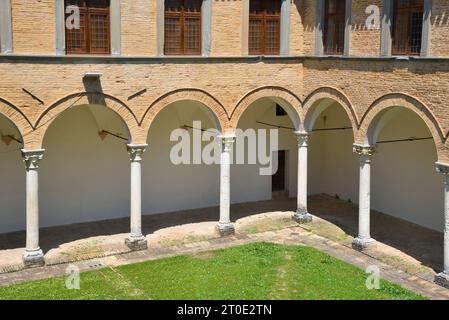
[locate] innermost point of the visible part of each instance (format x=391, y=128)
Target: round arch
x=383, y=110
x=217, y=113
x=18, y=120
x=285, y=98
x=321, y=99
x=84, y=99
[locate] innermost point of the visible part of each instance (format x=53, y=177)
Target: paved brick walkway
x=412, y=264
x=290, y=236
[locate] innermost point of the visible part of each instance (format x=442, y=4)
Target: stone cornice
x=99, y=59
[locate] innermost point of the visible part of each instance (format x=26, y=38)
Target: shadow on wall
x=84, y=176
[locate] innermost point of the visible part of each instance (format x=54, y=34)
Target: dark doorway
x=278, y=179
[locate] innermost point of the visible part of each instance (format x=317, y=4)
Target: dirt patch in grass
x=204, y=255
x=328, y=230
x=182, y=235
x=83, y=251
x=402, y=264
x=167, y=242
x=265, y=222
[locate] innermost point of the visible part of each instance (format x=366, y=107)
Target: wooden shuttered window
x=182, y=27
x=334, y=27
x=93, y=36
x=264, y=27
x=407, y=27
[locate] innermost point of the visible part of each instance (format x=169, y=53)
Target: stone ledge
x=110, y=59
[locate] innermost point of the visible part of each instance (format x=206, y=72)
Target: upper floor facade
x=216, y=28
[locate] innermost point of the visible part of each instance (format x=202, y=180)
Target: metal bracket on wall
x=137, y=94
x=33, y=96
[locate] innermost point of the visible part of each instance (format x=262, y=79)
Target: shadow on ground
x=422, y=244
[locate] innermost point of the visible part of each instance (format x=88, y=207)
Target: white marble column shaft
x=33, y=254
x=225, y=227
x=302, y=215
x=364, y=238
x=136, y=239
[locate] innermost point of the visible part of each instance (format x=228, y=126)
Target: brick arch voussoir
x=292, y=101
x=337, y=96
x=19, y=120
x=50, y=114
x=218, y=111
x=410, y=103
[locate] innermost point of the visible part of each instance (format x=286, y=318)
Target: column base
x=33, y=258
x=225, y=229
x=442, y=279
x=360, y=244
x=302, y=218
x=137, y=243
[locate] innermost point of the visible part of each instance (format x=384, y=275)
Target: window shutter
x=407, y=27
x=264, y=27
x=93, y=36
x=182, y=27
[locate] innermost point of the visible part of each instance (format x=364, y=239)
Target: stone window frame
x=206, y=27
x=386, y=28
x=115, y=28
x=319, y=25
x=6, y=27
x=284, y=32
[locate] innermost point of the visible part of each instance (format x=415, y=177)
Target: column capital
x=31, y=158
x=227, y=142
x=303, y=138
x=442, y=168
x=364, y=150
x=136, y=151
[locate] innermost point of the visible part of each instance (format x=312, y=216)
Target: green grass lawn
x=255, y=271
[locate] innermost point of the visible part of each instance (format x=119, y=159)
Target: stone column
x=136, y=240
x=225, y=227
x=302, y=215
x=364, y=239
x=443, y=278
x=33, y=256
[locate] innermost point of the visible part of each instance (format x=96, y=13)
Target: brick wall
x=227, y=19
x=296, y=29
x=33, y=26
x=227, y=81
x=440, y=28
x=364, y=41
x=309, y=20
x=138, y=28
